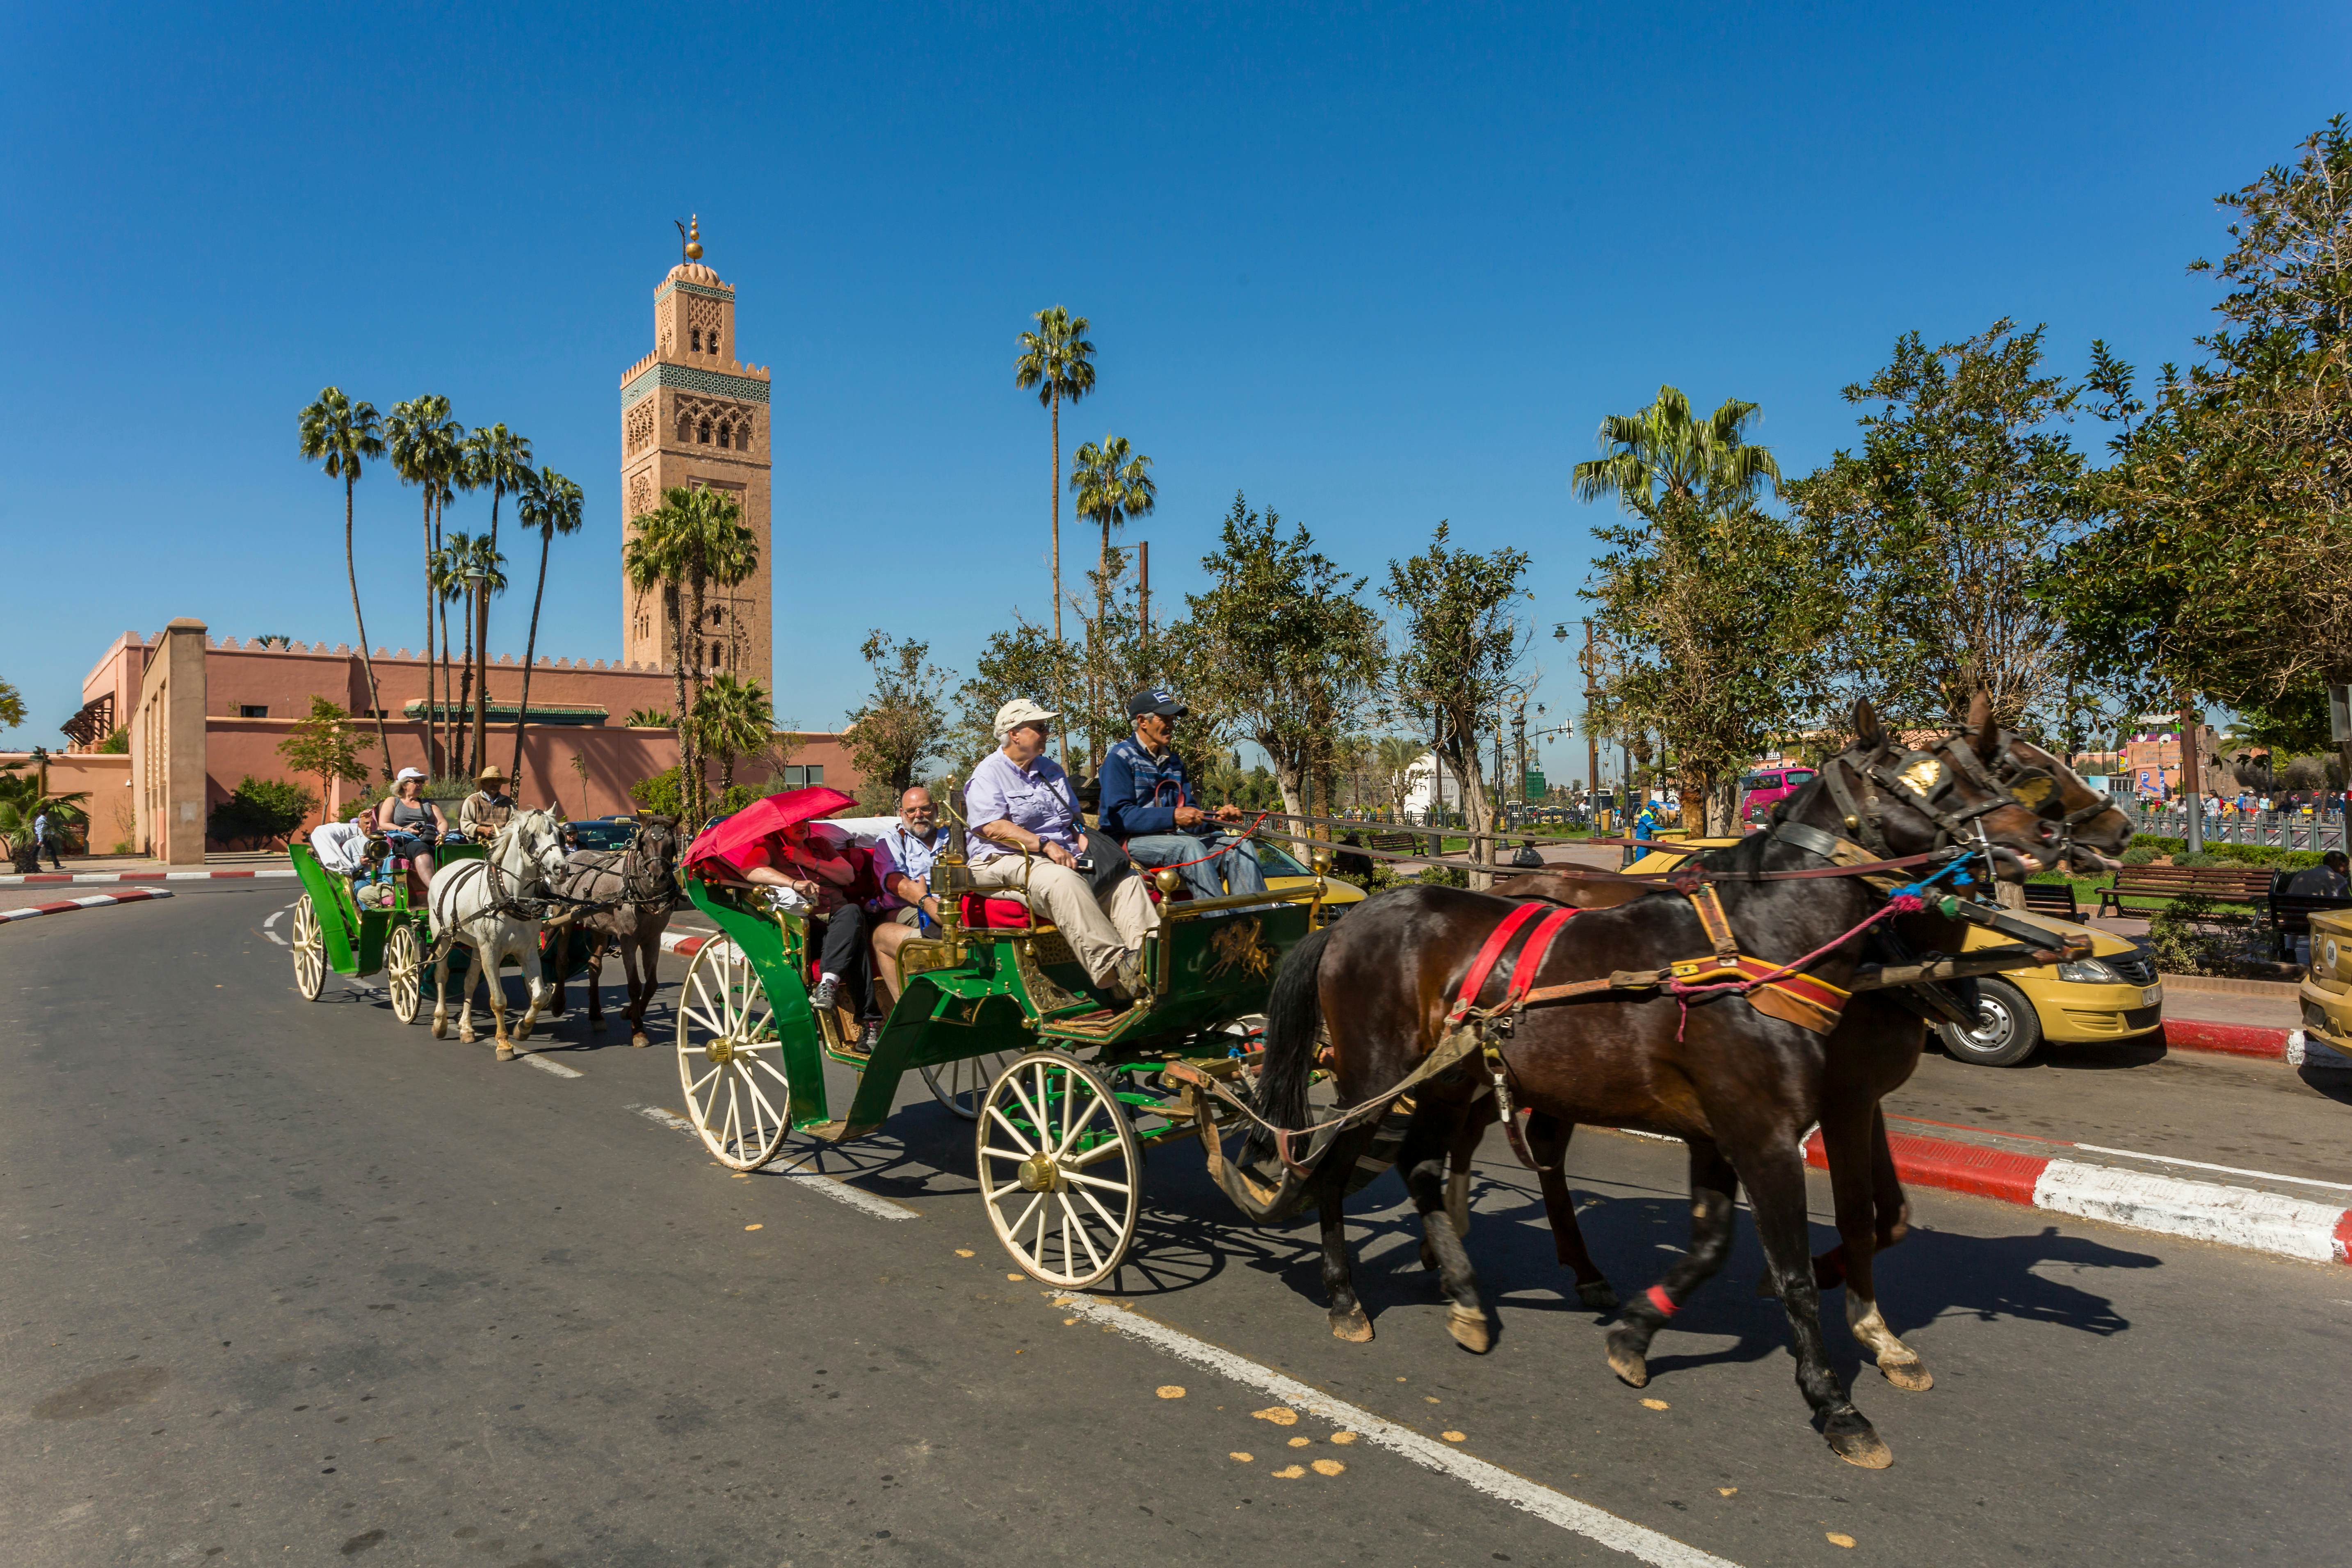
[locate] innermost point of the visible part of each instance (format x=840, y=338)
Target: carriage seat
x=1006, y=911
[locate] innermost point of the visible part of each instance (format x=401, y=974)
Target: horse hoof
x=1596, y=1296
x=1628, y=1360
x=505, y=1052
x=465, y=1036
x=1911, y=1376
x=1861, y=1446
x=440, y=1028
x=1353, y=1327
x=639, y=1041
x=1470, y=1330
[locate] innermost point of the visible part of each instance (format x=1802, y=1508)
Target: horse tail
x=1293, y=1015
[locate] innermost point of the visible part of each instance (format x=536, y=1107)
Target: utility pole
x=2192, y=785
x=1591, y=734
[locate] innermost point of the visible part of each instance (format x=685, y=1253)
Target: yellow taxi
x=2326, y=988
x=1283, y=869
x=2114, y=995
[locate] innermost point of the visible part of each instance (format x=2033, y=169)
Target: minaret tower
x=691, y=414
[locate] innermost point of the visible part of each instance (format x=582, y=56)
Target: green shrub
x=260, y=811
x=1444, y=877
x=2224, y=853
x=2194, y=935
x=117, y=742
x=2185, y=859
x=665, y=793
x=2141, y=855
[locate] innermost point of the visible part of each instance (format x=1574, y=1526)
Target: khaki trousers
x=1100, y=936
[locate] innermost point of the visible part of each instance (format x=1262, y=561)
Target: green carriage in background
x=1066, y=1090
x=333, y=932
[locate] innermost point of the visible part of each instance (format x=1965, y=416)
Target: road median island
x=94, y=901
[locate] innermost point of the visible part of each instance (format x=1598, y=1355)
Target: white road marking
x=273, y=920
x=2234, y=1216
x=840, y=1191
x=2226, y=1170
x=543, y=1065
x=1554, y=1507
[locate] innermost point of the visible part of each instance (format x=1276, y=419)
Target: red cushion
x=982, y=912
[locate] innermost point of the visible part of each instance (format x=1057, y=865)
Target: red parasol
x=764, y=817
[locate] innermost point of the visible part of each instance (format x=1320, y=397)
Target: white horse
x=466, y=903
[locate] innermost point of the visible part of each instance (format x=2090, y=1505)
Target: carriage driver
x=1149, y=804
x=481, y=813
x=1027, y=834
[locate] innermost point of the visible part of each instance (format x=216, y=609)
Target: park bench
x=2291, y=917
x=2222, y=884
x=1394, y=843
x=2055, y=898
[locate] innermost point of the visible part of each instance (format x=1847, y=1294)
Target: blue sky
x=1375, y=267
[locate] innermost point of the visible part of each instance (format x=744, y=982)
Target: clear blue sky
x=1374, y=267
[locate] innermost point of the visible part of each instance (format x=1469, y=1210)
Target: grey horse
x=639, y=886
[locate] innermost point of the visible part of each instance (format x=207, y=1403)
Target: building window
x=743, y=437
x=696, y=333
x=714, y=340
x=725, y=430
x=702, y=433
x=685, y=428
x=798, y=777
x=251, y=710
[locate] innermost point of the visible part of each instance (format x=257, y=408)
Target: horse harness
x=1923, y=779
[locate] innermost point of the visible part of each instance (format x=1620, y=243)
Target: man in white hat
x=1027, y=834
x=481, y=813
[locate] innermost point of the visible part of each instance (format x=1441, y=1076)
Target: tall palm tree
x=1057, y=363
x=694, y=540
x=446, y=573
x=499, y=460
x=345, y=436
x=480, y=574
x=732, y=717
x=426, y=448
x=550, y=504
x=1663, y=452
x=1109, y=483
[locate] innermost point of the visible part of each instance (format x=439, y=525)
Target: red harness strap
x=1489, y=954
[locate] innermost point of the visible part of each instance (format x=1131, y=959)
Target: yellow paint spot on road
x=1431, y=1398
x=1343, y=1436
x=1280, y=1414
x=1726, y=1491
x=743, y=1176
x=1837, y=1539
x=963, y=1252
x=1067, y=1323
x=1289, y=1472
x=751, y=1227
x=1238, y=1458
x=1169, y=1390
x=1013, y=1276
x=1656, y=1405
x=1454, y=1436
x=1327, y=1467
x=1300, y=1442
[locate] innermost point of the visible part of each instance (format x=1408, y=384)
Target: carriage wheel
x=1058, y=1169
x=730, y=1060
x=309, y=951
x=403, y=970
x=961, y=1085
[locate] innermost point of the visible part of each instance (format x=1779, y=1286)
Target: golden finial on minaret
x=694, y=238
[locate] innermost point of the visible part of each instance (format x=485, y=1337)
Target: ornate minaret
x=691, y=414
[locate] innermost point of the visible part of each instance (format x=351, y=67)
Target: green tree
x=259, y=811
x=323, y=744
x=1056, y=362
x=732, y=718
x=1023, y=660
x=427, y=448
x=695, y=539
x=1282, y=644
x=550, y=504
x=345, y=437
x=1110, y=484
x=1463, y=646
x=476, y=573
x=904, y=718
x=1952, y=515
x=497, y=460
x=12, y=706
x=1663, y=452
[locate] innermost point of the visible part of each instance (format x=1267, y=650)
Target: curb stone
x=96, y=900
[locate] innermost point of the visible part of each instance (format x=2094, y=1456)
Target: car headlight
x=2089, y=972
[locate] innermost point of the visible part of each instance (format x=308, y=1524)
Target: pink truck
x=1767, y=786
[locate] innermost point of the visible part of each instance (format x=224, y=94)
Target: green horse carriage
x=1066, y=1090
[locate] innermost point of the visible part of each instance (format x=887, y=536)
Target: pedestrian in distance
x=45, y=841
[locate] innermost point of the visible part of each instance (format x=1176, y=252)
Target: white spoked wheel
x=1059, y=1169
x=961, y=1086
x=403, y=970
x=730, y=1060
x=309, y=951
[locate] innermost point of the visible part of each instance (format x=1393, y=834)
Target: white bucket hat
x=1020, y=712
x=406, y=774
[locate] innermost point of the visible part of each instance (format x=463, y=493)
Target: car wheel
x=2008, y=1030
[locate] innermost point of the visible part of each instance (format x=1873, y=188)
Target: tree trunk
x=698, y=584
x=529, y=650
x=442, y=720
x=481, y=747
x=1478, y=811
x=430, y=765
x=670, y=602
x=461, y=738
x=1722, y=797
x=1056, y=403
x=351, y=570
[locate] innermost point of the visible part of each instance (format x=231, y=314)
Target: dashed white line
x=840, y=1191
x=1594, y=1524
x=543, y=1065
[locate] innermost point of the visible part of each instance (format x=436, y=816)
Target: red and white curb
x=2269, y=1043
x=2317, y=1232
x=47, y=877
x=95, y=902
x=684, y=944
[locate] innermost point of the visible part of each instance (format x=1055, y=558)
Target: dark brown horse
x=637, y=887
x=1738, y=1085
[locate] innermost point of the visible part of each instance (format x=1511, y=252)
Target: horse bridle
x=1926, y=779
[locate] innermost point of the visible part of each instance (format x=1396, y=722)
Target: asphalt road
x=289, y=1282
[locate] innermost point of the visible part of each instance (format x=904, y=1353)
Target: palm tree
x=1663, y=452
x=480, y=574
x=446, y=573
x=694, y=540
x=550, y=503
x=732, y=717
x=499, y=459
x=427, y=448
x=1057, y=362
x=1109, y=483
x=345, y=434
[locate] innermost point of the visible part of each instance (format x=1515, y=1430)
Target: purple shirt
x=1038, y=797
x=899, y=853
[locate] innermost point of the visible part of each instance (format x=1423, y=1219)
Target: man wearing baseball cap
x=1150, y=805
x=1027, y=833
